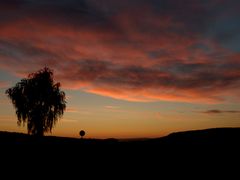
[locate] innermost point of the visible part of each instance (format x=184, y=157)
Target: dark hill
x=199, y=141
x=200, y=150
x=207, y=137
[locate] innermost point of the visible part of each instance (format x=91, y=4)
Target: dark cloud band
x=139, y=50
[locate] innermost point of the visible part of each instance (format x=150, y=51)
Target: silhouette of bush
x=38, y=101
x=82, y=133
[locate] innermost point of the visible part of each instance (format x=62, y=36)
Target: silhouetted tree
x=82, y=133
x=38, y=101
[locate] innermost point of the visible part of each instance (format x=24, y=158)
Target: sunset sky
x=130, y=68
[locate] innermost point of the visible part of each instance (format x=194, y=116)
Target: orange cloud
x=149, y=51
x=72, y=110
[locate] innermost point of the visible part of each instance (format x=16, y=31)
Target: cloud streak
x=216, y=111
x=3, y=84
x=138, y=51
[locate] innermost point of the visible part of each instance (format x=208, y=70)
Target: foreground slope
x=207, y=137
x=200, y=151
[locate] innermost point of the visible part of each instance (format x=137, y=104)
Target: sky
x=130, y=69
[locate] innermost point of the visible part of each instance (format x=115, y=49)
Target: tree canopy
x=38, y=101
x=82, y=133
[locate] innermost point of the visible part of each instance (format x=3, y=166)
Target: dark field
x=201, y=152
x=198, y=139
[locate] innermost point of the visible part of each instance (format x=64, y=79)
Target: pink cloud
x=4, y=84
x=72, y=110
x=152, y=56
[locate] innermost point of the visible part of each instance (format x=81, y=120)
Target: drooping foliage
x=38, y=101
